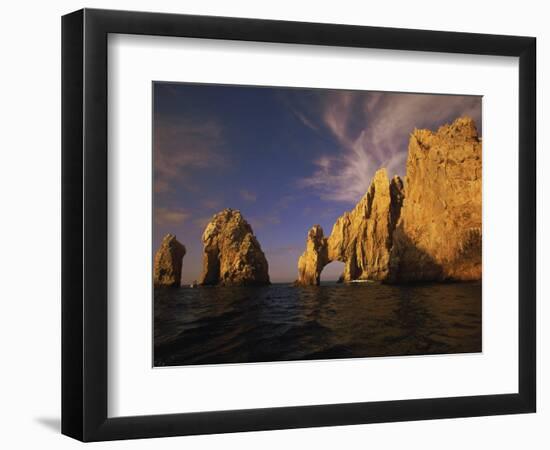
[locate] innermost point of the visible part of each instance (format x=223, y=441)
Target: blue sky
x=286, y=158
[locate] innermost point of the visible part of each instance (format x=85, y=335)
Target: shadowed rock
x=168, y=262
x=232, y=254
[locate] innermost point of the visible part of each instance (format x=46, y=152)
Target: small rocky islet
x=232, y=255
x=168, y=262
x=427, y=228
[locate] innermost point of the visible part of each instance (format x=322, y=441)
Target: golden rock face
x=361, y=238
x=438, y=235
x=428, y=231
x=168, y=262
x=314, y=259
x=232, y=256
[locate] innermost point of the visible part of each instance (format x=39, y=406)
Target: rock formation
x=168, y=262
x=361, y=238
x=232, y=255
x=438, y=235
x=431, y=230
x=314, y=259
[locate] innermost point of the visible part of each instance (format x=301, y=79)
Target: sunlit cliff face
x=286, y=158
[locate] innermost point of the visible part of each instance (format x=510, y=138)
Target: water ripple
x=283, y=323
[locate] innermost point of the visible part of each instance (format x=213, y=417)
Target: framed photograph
x=273, y=224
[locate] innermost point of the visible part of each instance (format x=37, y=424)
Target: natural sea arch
x=332, y=271
x=360, y=238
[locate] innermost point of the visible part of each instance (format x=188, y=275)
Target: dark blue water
x=214, y=325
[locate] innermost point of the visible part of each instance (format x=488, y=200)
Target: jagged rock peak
x=462, y=128
x=232, y=255
x=168, y=262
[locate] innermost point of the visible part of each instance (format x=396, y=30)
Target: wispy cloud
x=285, y=200
x=167, y=216
x=201, y=222
x=292, y=249
x=248, y=196
x=372, y=130
x=211, y=204
x=301, y=116
x=182, y=145
x=259, y=222
x=396, y=115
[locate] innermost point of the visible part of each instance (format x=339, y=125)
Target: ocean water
x=215, y=325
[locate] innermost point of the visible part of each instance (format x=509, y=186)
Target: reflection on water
x=282, y=322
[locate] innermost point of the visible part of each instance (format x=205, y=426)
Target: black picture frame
x=84, y=224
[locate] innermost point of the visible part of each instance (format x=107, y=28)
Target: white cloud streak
x=167, y=216
x=372, y=131
x=248, y=196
